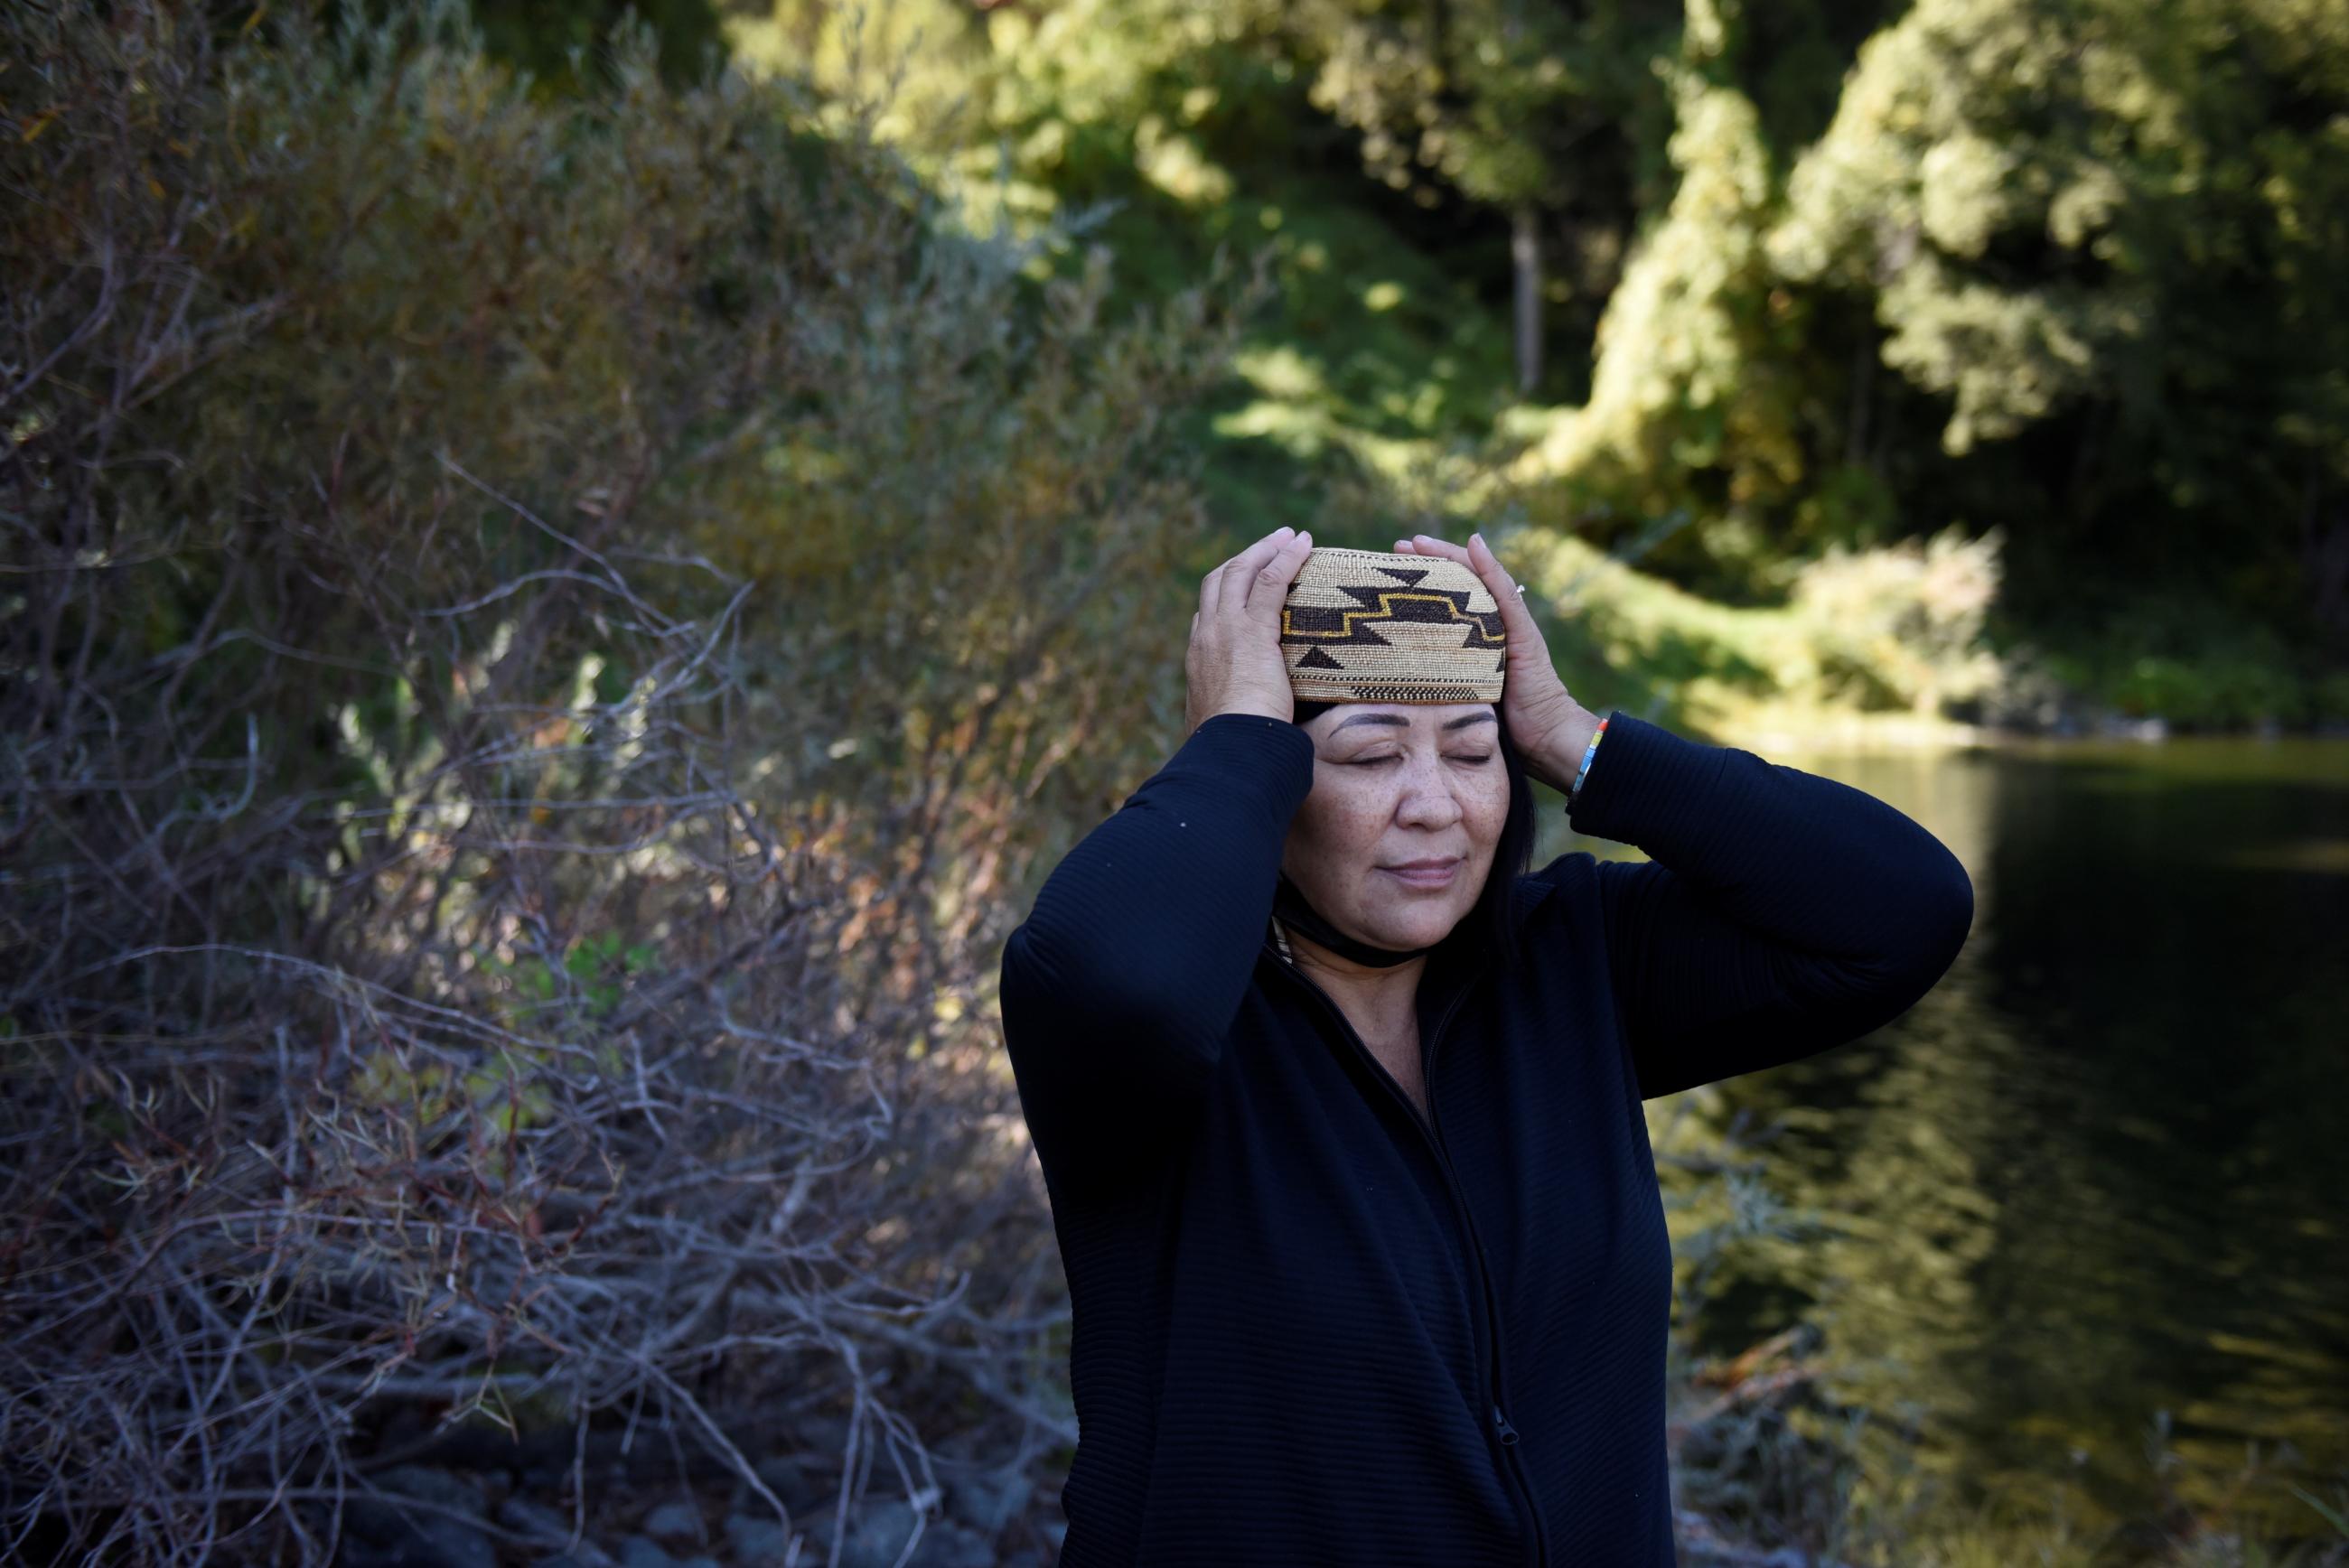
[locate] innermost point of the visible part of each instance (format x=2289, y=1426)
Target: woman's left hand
x=1548, y=727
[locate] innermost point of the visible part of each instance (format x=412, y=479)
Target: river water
x=2102, y=1172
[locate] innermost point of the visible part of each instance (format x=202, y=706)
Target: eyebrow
x=1397, y=719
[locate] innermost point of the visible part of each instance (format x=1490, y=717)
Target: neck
x=1376, y=987
x=1377, y=1001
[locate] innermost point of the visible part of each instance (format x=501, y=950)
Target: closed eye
x=1374, y=761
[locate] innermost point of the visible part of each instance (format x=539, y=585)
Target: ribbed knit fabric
x=1309, y=1326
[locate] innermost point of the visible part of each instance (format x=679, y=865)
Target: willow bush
x=537, y=632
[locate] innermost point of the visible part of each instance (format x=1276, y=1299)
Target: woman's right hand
x=1235, y=664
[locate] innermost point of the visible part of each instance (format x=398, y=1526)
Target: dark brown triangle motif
x=1315, y=659
x=1408, y=576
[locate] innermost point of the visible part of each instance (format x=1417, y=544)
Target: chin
x=1425, y=930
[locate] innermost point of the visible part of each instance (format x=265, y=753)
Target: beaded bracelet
x=1589, y=752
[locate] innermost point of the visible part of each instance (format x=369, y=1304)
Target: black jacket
x=1309, y=1326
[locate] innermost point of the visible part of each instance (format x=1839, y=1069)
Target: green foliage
x=1958, y=132
x=2016, y=284
x=2185, y=660
x=1493, y=100
x=2119, y=223
x=1871, y=646
x=2094, y=248
x=1689, y=406
x=567, y=46
x=2338, y=1518
x=1174, y=136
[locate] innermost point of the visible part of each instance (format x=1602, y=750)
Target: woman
x=1338, y=1108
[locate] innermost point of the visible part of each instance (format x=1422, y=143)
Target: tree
x=2121, y=225
x=1695, y=405
x=1530, y=108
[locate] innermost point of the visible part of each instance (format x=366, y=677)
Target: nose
x=1428, y=798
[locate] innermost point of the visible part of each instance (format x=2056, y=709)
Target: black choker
x=1289, y=907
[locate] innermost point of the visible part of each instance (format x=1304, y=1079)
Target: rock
x=802, y=1480
x=635, y=1552
x=757, y=1542
x=878, y=1532
x=825, y=1435
x=520, y=1513
x=949, y=1545
x=380, y=1532
x=446, y=1487
x=584, y=1555
x=415, y=1540
x=552, y=1527
x=990, y=1499
x=676, y=1521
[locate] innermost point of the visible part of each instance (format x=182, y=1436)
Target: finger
x=1269, y=588
x=1211, y=586
x=1231, y=583
x=1488, y=566
x=1478, y=557
x=1515, y=618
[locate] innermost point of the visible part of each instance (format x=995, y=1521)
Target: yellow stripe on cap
x=1362, y=625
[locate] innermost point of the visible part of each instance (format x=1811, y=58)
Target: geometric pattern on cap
x=1363, y=625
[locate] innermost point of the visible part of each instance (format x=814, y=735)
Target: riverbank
x=1889, y=649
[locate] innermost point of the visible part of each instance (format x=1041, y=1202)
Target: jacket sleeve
x=1779, y=912
x=1119, y=986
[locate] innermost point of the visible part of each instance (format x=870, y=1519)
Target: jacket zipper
x=1497, y=1367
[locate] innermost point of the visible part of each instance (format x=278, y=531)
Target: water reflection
x=2101, y=1170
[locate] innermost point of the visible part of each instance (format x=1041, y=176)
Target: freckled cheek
x=1361, y=825
x=1490, y=814
x=1345, y=819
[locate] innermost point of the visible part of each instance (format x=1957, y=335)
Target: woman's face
x=1394, y=842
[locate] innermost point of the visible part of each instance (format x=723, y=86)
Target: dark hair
x=1512, y=856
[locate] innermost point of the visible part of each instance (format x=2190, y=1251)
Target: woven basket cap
x=1363, y=625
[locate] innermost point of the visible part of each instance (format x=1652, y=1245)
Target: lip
x=1433, y=872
